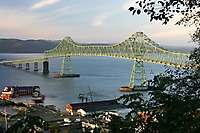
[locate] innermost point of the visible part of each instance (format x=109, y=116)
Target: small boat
x=126, y=89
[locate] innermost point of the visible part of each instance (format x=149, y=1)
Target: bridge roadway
x=24, y=61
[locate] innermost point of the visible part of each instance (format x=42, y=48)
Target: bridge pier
x=19, y=66
x=138, y=77
x=66, y=69
x=35, y=66
x=45, y=67
x=27, y=66
x=66, y=66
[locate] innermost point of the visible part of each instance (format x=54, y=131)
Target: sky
x=85, y=21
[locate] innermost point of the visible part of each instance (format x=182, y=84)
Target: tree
x=164, y=10
x=28, y=124
x=174, y=105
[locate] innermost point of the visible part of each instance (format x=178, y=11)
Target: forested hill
x=25, y=46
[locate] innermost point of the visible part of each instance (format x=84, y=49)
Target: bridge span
x=138, y=48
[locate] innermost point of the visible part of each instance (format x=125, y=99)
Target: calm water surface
x=104, y=75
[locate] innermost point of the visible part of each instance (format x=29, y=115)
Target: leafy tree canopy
x=164, y=10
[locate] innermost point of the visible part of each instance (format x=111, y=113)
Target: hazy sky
x=83, y=20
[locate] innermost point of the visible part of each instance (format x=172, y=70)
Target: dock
x=97, y=105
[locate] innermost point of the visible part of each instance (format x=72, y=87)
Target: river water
x=103, y=75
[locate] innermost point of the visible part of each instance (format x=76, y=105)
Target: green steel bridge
x=138, y=48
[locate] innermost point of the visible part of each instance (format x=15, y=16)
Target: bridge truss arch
x=138, y=48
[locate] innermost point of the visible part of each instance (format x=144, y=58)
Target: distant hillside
x=39, y=46
x=179, y=48
x=25, y=46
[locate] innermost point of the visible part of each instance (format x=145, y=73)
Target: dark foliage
x=173, y=106
x=28, y=124
x=164, y=10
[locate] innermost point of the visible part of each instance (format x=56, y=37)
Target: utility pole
x=6, y=122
